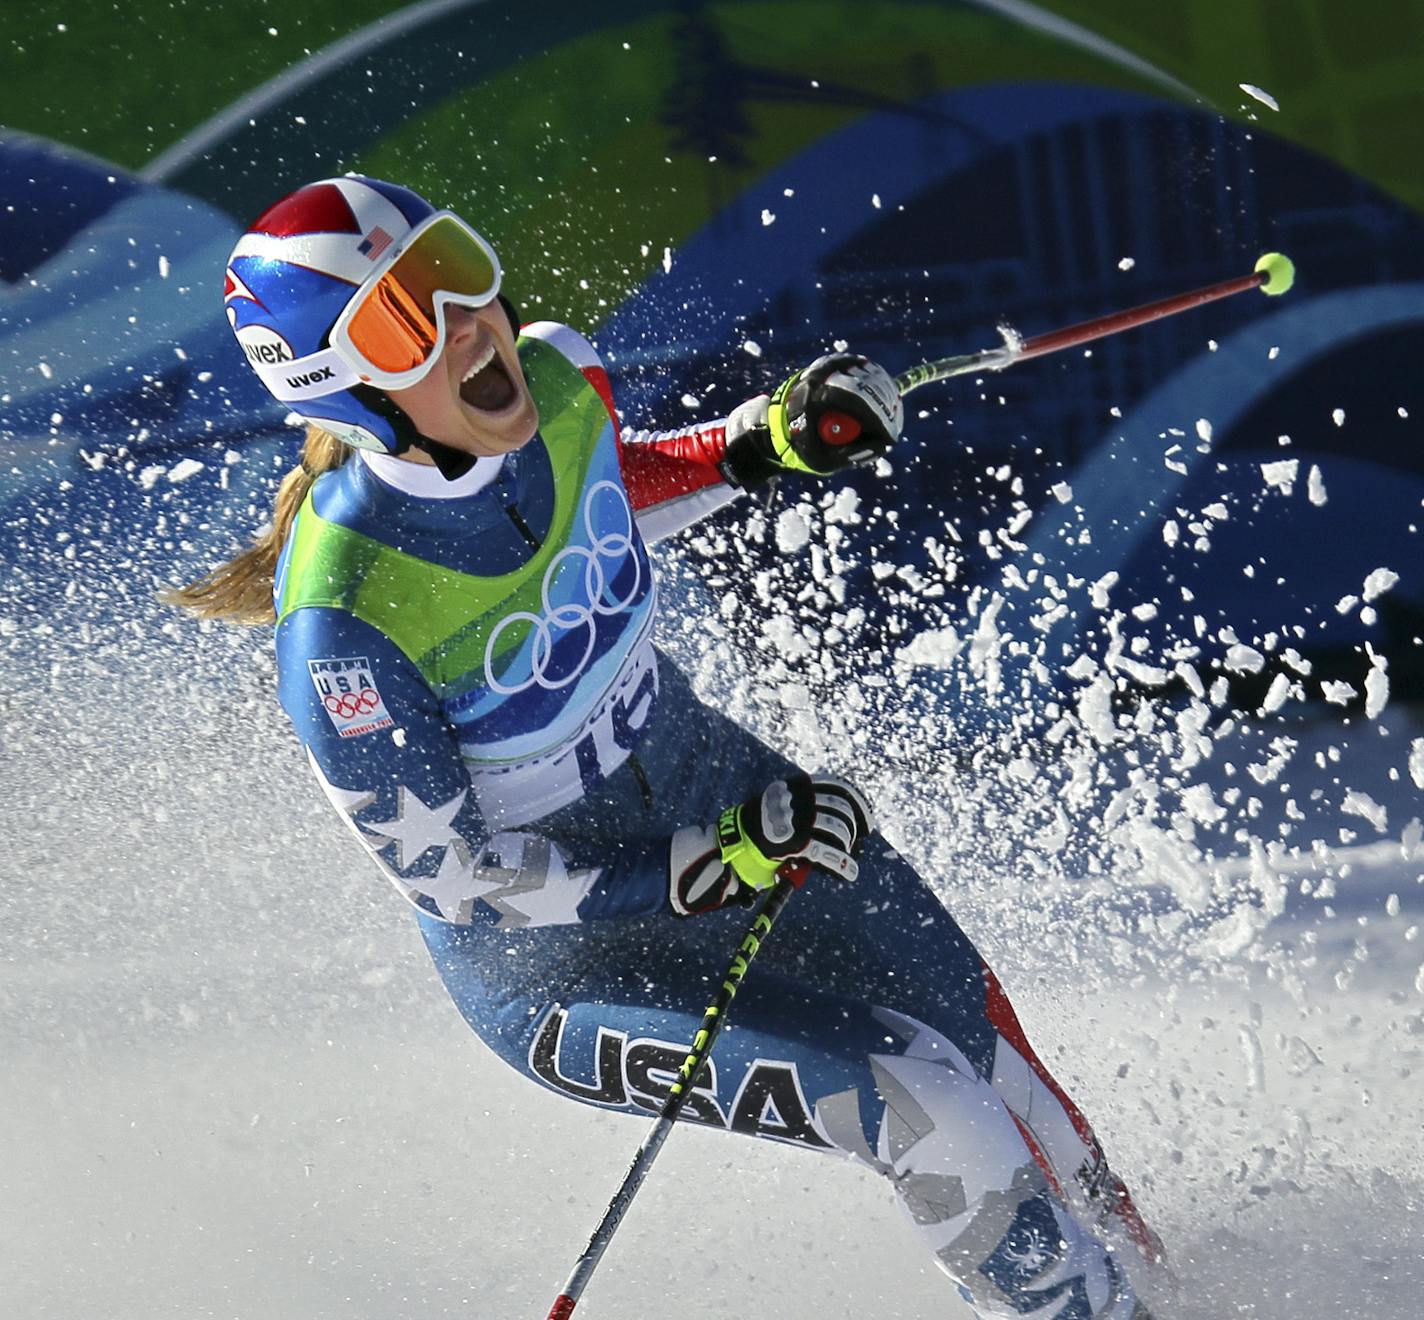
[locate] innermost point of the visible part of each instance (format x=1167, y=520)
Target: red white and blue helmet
x=290, y=277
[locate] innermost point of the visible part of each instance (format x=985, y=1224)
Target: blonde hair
x=240, y=591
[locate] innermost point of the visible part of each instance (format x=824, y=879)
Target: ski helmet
x=301, y=264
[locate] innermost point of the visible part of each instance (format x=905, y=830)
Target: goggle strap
x=310, y=377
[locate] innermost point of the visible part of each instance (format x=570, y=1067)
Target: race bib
x=515, y=792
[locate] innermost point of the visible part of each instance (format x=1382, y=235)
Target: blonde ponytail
x=240, y=591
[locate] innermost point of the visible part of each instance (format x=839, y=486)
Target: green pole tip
x=1280, y=273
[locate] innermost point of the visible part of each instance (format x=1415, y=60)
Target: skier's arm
x=840, y=411
x=389, y=762
x=674, y=478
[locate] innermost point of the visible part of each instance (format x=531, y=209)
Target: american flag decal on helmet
x=376, y=242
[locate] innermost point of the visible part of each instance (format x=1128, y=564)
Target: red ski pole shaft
x=1116, y=322
x=1274, y=274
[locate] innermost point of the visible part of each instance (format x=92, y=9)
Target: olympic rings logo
x=351, y=704
x=612, y=548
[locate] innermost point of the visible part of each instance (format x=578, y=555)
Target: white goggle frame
x=367, y=371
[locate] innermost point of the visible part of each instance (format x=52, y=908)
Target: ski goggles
x=393, y=329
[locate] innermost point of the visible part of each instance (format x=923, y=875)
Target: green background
x=126, y=80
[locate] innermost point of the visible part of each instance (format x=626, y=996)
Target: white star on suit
x=417, y=827
x=546, y=904
x=536, y=888
x=456, y=885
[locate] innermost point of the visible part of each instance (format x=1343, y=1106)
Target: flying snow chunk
x=667, y=261
x=1095, y=710
x=843, y=509
x=1098, y=592
x=1203, y=430
x=875, y=200
x=163, y=268
x=1265, y=98
x=1376, y=686
x=751, y=346
x=1362, y=804
x=149, y=476
x=1315, y=486
x=1200, y=805
x=935, y=649
x=1378, y=582
x=1276, y=696
x=1191, y=678
x=1416, y=762
x=792, y=533
x=1127, y=263
x=1062, y=492
x=1338, y=417
x=1281, y=474
x=690, y=401
x=767, y=218
x=1243, y=659
x=185, y=468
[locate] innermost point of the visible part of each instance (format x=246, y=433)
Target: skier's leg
x=889, y=940
x=980, y=1190
x=801, y=1065
x=1061, y=1131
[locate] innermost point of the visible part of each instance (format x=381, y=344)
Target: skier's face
x=474, y=398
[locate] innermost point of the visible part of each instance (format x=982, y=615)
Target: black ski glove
x=822, y=821
x=842, y=410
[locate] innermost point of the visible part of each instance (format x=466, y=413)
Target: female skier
x=464, y=606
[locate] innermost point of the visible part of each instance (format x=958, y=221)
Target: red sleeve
x=663, y=465
x=672, y=476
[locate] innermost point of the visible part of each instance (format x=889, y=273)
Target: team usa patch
x=348, y=694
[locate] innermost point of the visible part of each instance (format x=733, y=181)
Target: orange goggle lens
x=397, y=325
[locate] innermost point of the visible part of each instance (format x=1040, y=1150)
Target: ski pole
x=790, y=879
x=1273, y=275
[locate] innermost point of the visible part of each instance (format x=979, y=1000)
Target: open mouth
x=487, y=385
